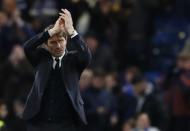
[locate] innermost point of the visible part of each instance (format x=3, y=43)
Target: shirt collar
x=60, y=58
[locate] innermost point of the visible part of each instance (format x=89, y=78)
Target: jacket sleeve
x=31, y=49
x=83, y=53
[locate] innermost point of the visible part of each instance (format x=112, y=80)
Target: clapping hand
x=65, y=15
x=57, y=28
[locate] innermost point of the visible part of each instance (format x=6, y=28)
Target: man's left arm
x=83, y=53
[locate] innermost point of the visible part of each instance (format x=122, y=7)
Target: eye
x=61, y=40
x=53, y=42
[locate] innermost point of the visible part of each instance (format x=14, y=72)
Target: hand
x=68, y=22
x=58, y=27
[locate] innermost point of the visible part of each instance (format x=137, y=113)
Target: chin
x=58, y=54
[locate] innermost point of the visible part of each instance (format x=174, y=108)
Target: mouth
x=58, y=51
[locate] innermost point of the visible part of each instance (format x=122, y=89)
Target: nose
x=58, y=45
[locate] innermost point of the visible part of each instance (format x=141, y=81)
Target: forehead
x=56, y=38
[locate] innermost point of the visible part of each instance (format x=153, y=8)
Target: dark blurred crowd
x=139, y=77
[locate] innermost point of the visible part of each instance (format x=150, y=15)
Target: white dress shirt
x=55, y=62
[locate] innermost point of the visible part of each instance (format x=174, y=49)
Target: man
x=55, y=103
x=143, y=99
x=101, y=109
x=177, y=94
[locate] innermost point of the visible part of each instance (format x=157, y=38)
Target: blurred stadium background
x=139, y=78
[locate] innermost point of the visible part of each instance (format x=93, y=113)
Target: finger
x=62, y=10
x=57, y=21
x=67, y=11
x=62, y=14
x=63, y=17
x=61, y=20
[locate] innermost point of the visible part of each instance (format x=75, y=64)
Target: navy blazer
x=74, y=62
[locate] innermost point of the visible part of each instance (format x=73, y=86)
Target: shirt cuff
x=50, y=32
x=74, y=34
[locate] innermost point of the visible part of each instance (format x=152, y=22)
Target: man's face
x=57, y=45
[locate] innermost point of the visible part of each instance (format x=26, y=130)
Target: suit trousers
x=50, y=127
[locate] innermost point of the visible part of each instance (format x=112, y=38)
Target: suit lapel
x=44, y=72
x=64, y=69
x=63, y=65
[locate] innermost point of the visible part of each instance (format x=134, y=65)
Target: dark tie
x=57, y=64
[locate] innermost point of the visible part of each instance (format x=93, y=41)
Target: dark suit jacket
x=74, y=62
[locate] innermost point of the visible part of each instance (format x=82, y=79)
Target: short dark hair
x=51, y=26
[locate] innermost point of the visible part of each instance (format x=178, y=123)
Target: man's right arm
x=30, y=47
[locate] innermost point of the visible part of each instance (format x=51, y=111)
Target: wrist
x=51, y=32
x=74, y=34
x=71, y=31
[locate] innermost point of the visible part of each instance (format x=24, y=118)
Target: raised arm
x=83, y=52
x=31, y=49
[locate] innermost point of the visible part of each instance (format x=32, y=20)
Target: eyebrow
x=57, y=39
x=61, y=39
